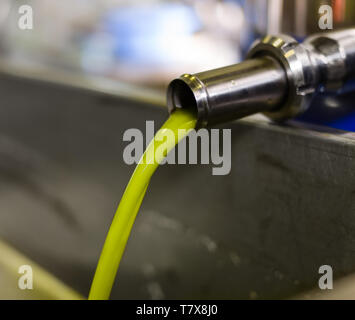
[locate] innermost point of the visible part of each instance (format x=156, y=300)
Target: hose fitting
x=279, y=78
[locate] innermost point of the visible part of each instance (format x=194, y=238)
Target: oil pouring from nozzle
x=202, y=146
x=279, y=78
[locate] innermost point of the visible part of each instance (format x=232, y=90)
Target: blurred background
x=261, y=232
x=149, y=42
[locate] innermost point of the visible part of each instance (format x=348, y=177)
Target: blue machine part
x=335, y=110
x=346, y=123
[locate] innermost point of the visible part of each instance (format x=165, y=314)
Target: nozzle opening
x=180, y=95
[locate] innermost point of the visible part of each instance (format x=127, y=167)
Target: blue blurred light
x=142, y=33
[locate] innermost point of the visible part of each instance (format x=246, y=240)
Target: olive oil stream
x=132, y=198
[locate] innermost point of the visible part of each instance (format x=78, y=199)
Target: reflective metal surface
x=280, y=79
x=232, y=92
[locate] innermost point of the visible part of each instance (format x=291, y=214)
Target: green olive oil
x=132, y=198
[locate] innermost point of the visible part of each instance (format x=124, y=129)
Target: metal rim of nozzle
x=301, y=74
x=195, y=97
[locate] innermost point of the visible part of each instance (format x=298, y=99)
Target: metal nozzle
x=236, y=91
x=278, y=78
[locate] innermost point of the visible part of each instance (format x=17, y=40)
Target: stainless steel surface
x=286, y=208
x=333, y=55
x=301, y=73
x=279, y=78
x=232, y=92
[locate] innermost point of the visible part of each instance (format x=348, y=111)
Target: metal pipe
x=278, y=78
x=232, y=92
